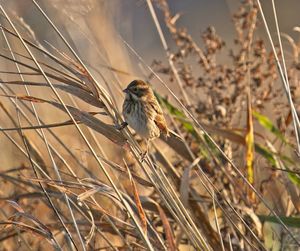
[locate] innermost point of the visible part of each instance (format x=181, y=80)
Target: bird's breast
x=140, y=120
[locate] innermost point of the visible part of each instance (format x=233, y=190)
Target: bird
x=142, y=112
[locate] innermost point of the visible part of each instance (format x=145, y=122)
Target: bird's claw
x=122, y=126
x=143, y=156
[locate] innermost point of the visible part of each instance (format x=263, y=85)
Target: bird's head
x=138, y=89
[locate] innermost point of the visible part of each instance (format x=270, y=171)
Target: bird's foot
x=122, y=126
x=143, y=156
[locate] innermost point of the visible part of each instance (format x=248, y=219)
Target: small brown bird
x=142, y=112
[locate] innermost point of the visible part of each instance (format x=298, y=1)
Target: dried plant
x=71, y=178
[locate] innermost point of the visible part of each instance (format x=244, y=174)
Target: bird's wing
x=159, y=118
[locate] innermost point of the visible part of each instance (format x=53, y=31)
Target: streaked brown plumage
x=142, y=112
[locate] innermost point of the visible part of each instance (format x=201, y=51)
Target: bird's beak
x=126, y=90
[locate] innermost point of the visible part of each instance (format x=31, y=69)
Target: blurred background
x=218, y=63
